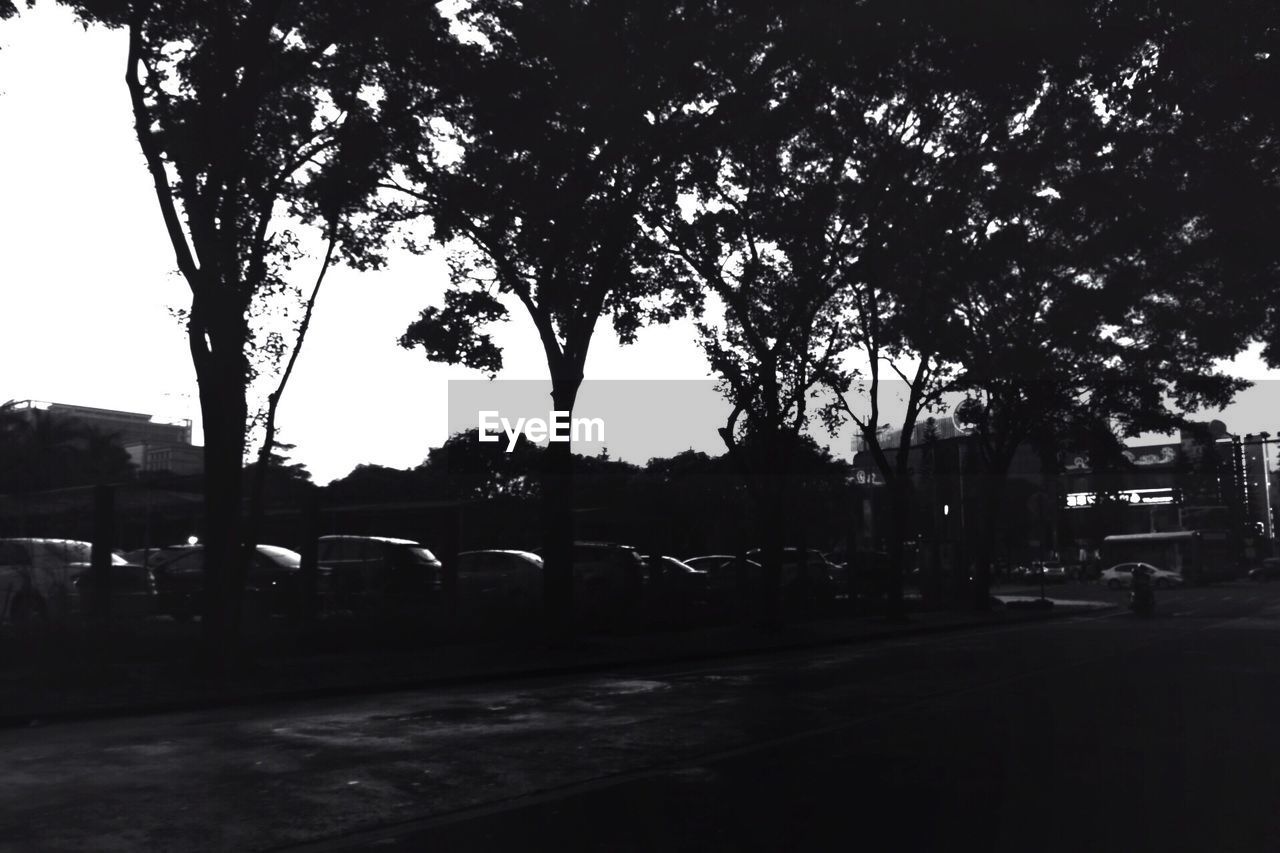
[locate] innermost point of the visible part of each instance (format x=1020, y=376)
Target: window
x=476, y=564
x=187, y=564
x=421, y=555
x=338, y=549
x=274, y=555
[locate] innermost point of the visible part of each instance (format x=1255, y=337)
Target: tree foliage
x=40, y=450
x=254, y=118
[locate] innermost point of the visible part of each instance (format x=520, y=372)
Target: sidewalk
x=151, y=688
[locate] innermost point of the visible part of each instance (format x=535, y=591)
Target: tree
x=562, y=127
x=762, y=232
x=283, y=479
x=1212, y=143
x=466, y=468
x=1075, y=308
x=41, y=451
x=252, y=117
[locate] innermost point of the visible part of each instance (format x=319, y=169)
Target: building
x=1063, y=508
x=155, y=446
x=1257, y=483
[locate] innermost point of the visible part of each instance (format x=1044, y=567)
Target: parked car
x=38, y=576
x=156, y=556
x=272, y=578
x=811, y=580
x=1121, y=575
x=500, y=579
x=1053, y=571
x=133, y=592
x=380, y=573
x=1268, y=569
x=726, y=575
x=675, y=587
x=608, y=578
x=807, y=574
x=869, y=573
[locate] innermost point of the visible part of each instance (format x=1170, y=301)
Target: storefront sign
x=1133, y=497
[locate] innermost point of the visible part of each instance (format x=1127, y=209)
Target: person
x=1143, y=594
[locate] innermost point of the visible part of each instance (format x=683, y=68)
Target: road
x=1100, y=733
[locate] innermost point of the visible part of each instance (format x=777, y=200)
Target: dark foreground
x=1098, y=733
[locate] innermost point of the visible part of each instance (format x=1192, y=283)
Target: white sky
x=87, y=282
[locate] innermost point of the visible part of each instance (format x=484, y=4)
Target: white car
x=38, y=578
x=1121, y=575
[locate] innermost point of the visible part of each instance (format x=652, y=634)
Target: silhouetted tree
x=762, y=231
x=466, y=468
x=562, y=130
x=1073, y=306
x=252, y=115
x=40, y=450
x=1211, y=144
x=283, y=479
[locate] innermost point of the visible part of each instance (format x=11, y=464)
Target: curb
x=88, y=714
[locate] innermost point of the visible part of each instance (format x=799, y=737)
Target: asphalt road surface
x=1108, y=732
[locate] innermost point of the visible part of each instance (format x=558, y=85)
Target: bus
x=1200, y=556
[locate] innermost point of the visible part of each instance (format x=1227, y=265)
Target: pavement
x=127, y=686
x=1101, y=732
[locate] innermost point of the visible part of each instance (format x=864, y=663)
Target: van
x=369, y=573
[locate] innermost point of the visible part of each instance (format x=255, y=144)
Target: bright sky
x=89, y=282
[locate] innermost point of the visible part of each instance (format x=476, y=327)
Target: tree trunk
x=224, y=416
x=899, y=527
x=773, y=524
x=993, y=483
x=557, y=523
x=104, y=541
x=308, y=593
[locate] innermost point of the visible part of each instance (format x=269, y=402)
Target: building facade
x=154, y=446
x=1064, y=507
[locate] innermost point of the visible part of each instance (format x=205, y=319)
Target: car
x=608, y=577
x=500, y=578
x=1267, y=570
x=38, y=578
x=380, y=573
x=727, y=576
x=722, y=569
x=272, y=579
x=1053, y=571
x=1121, y=575
x=157, y=556
x=675, y=585
x=133, y=592
x=809, y=567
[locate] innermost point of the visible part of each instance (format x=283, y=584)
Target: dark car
x=271, y=580
x=133, y=593
x=726, y=574
x=500, y=579
x=608, y=578
x=1268, y=569
x=1053, y=571
x=674, y=588
x=807, y=576
x=380, y=574
x=155, y=557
